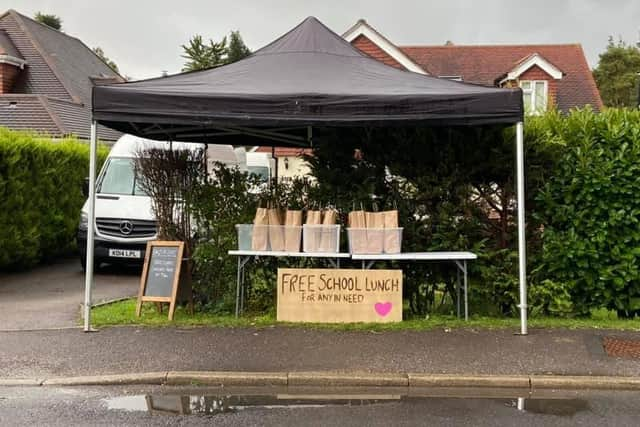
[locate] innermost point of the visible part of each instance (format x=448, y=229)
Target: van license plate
x=124, y=253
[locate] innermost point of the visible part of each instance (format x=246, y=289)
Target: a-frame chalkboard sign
x=161, y=274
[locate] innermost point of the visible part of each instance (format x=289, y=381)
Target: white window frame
x=531, y=109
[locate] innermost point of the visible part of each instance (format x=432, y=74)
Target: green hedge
x=41, y=196
x=590, y=209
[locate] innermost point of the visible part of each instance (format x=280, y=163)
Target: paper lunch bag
x=260, y=235
x=328, y=235
x=392, y=234
x=357, y=232
x=292, y=231
x=375, y=232
x=312, y=234
x=276, y=231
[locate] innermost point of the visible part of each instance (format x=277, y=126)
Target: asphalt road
x=50, y=296
x=117, y=406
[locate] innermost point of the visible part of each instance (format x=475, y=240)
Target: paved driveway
x=49, y=296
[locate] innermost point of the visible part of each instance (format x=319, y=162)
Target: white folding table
x=245, y=255
x=460, y=259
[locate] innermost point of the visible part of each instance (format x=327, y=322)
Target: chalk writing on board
x=162, y=270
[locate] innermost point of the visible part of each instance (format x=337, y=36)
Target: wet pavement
x=46, y=354
x=301, y=407
x=49, y=296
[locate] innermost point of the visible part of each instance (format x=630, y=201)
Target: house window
x=534, y=93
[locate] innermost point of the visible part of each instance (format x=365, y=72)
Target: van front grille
x=122, y=227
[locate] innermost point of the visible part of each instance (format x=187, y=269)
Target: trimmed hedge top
x=41, y=183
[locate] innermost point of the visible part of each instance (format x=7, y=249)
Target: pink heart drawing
x=383, y=308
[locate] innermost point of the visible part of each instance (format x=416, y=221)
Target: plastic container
x=374, y=241
x=321, y=238
x=269, y=237
x=393, y=240
x=245, y=234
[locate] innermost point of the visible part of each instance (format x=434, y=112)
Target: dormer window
x=534, y=93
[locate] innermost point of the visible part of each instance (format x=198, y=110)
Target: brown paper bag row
x=320, y=239
x=374, y=232
x=289, y=238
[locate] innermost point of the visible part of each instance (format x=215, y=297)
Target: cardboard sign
x=339, y=296
x=161, y=274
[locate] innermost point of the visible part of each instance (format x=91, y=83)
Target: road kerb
x=584, y=382
x=493, y=381
x=337, y=379
x=227, y=378
x=146, y=378
x=9, y=382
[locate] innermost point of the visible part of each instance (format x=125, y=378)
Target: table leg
x=238, y=287
x=242, y=286
x=458, y=291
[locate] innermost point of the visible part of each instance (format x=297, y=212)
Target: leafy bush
x=454, y=189
x=590, y=208
x=41, y=196
x=219, y=202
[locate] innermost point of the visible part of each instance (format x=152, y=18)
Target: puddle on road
x=218, y=403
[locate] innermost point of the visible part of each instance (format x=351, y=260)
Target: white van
x=124, y=219
x=261, y=164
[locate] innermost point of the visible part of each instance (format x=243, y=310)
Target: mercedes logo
x=126, y=227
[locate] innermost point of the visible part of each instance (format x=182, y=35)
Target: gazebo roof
x=308, y=77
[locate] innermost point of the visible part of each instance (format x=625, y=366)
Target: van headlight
x=84, y=221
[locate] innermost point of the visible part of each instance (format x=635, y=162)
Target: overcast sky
x=144, y=36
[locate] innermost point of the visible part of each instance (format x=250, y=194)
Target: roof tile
x=484, y=64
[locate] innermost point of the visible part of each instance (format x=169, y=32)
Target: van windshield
x=119, y=178
x=261, y=171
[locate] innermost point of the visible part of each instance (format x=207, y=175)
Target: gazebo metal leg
x=522, y=245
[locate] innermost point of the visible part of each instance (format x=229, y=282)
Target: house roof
x=385, y=51
x=59, y=67
x=286, y=151
x=7, y=47
x=52, y=116
x=485, y=64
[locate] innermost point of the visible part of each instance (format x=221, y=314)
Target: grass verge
x=123, y=313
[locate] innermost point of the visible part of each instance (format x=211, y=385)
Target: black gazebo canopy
x=308, y=77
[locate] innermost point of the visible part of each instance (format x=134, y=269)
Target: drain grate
x=616, y=347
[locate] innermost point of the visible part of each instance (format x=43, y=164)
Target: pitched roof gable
x=390, y=52
x=52, y=94
x=67, y=57
x=525, y=64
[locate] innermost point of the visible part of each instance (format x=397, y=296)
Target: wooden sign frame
x=145, y=272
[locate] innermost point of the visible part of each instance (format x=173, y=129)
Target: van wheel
x=83, y=263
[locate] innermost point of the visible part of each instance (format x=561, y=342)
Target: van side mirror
x=85, y=187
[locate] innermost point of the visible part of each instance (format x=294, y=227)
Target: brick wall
x=370, y=48
x=537, y=73
x=8, y=74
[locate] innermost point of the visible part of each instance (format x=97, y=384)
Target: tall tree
x=617, y=74
x=237, y=49
x=98, y=51
x=200, y=55
x=49, y=20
